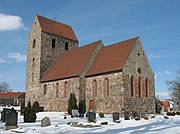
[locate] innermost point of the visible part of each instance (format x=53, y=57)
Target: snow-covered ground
x=157, y=125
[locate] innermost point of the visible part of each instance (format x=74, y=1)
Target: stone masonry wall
x=51, y=102
x=49, y=54
x=106, y=104
x=33, y=62
x=137, y=60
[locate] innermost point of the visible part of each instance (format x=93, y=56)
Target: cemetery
x=12, y=121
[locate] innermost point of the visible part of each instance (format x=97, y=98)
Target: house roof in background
x=11, y=94
x=56, y=28
x=165, y=103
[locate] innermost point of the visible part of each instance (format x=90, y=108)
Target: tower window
x=33, y=61
x=34, y=43
x=66, y=46
x=53, y=43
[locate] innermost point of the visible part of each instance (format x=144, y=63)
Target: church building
x=112, y=78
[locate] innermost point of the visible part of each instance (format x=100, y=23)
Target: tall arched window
x=33, y=61
x=45, y=89
x=57, y=90
x=53, y=43
x=147, y=87
x=132, y=86
x=106, y=87
x=140, y=86
x=65, y=89
x=66, y=46
x=94, y=88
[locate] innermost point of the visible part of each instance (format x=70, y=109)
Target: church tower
x=47, y=39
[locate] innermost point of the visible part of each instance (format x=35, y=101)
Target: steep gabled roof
x=11, y=94
x=56, y=28
x=112, y=57
x=70, y=63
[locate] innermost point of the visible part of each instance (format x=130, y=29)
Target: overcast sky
x=156, y=22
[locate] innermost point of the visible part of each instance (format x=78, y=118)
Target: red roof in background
x=57, y=28
x=10, y=94
x=112, y=57
x=165, y=103
x=70, y=63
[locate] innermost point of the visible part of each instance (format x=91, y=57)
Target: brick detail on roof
x=112, y=58
x=56, y=28
x=70, y=63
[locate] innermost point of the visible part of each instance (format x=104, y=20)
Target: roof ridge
x=123, y=41
x=52, y=20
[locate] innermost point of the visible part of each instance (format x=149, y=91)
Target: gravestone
x=91, y=117
x=11, y=117
x=45, y=122
x=115, y=116
x=3, y=113
x=126, y=115
x=75, y=113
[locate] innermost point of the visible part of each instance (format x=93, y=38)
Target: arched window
x=53, y=43
x=147, y=87
x=139, y=70
x=140, y=86
x=32, y=77
x=65, y=89
x=33, y=61
x=34, y=43
x=132, y=86
x=106, y=87
x=94, y=88
x=66, y=46
x=45, y=89
x=57, y=90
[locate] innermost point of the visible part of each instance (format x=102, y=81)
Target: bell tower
x=47, y=40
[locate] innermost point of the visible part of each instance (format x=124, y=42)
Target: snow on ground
x=157, y=125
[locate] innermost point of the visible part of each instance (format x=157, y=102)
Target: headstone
x=91, y=117
x=45, y=122
x=115, y=116
x=75, y=113
x=3, y=115
x=11, y=118
x=126, y=115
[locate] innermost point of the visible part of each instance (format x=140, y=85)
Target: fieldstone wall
x=106, y=104
x=137, y=60
x=48, y=53
x=50, y=101
x=33, y=61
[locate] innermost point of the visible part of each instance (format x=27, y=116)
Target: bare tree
x=174, y=88
x=4, y=87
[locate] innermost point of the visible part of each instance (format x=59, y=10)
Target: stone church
x=112, y=78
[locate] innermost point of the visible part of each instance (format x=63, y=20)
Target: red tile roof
x=57, y=28
x=10, y=94
x=70, y=63
x=165, y=103
x=112, y=57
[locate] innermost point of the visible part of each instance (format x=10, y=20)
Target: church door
x=91, y=105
